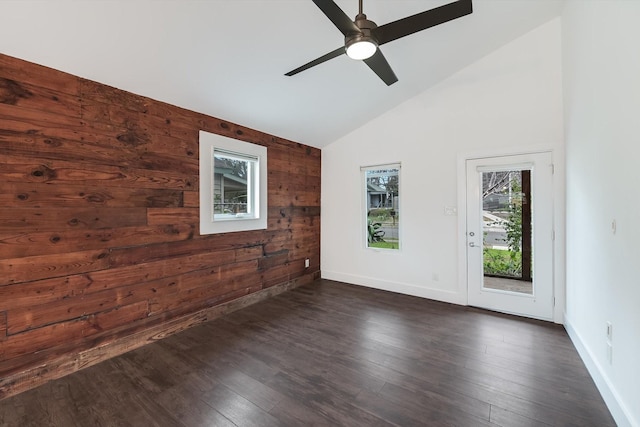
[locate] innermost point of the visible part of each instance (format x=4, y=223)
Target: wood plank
x=191, y=199
x=283, y=161
x=94, y=91
x=186, y=405
x=39, y=340
x=215, y=279
x=275, y=275
x=249, y=253
x=21, y=119
x=200, y=289
x=286, y=167
x=179, y=116
x=292, y=149
x=198, y=299
x=79, y=306
x=169, y=267
x=46, y=291
x=26, y=269
x=221, y=242
x=121, y=116
x=296, y=223
x=161, y=149
x=282, y=197
x=105, y=289
x=82, y=196
x=82, y=304
x=297, y=173
x=15, y=92
x=44, y=170
x=16, y=220
x=126, y=110
x=3, y=325
x=44, y=338
x=38, y=75
x=237, y=409
x=120, y=316
x=234, y=130
x=270, y=260
x=293, y=182
x=77, y=144
x=293, y=211
x=41, y=292
x=46, y=242
x=165, y=216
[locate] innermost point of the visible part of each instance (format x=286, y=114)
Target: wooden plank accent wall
x=99, y=234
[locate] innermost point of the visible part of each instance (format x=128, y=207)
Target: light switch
x=450, y=210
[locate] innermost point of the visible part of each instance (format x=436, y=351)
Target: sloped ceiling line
x=226, y=58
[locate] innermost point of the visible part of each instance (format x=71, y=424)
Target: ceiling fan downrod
x=362, y=44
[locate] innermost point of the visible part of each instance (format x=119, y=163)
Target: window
x=234, y=196
x=382, y=204
x=233, y=185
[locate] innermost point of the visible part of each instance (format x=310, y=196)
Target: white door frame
x=558, y=219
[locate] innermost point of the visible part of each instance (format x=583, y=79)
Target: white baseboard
x=401, y=288
x=609, y=394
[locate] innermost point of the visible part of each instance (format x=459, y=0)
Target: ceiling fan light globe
x=362, y=49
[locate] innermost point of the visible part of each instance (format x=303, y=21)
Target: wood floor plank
x=505, y=418
x=237, y=409
x=189, y=409
x=293, y=412
x=332, y=354
x=321, y=398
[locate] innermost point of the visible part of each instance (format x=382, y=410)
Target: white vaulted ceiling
x=227, y=58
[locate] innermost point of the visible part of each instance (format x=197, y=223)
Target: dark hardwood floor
x=333, y=354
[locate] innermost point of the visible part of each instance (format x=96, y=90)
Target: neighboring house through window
x=233, y=174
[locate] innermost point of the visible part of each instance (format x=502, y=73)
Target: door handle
x=473, y=245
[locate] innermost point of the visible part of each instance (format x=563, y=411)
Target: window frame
x=212, y=223
x=365, y=203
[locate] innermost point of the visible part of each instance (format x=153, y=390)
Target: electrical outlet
x=306, y=263
x=609, y=331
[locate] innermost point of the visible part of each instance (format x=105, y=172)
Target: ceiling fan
x=362, y=38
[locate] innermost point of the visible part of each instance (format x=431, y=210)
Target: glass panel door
x=509, y=236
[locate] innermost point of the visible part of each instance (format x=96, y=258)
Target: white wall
x=602, y=119
x=509, y=100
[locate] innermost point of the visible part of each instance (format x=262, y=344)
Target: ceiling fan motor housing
x=366, y=27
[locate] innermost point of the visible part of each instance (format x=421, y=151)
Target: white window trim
x=230, y=223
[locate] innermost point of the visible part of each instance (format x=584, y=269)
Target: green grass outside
x=500, y=262
x=384, y=245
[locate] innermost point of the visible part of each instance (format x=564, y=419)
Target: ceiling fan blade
x=421, y=21
x=337, y=16
x=378, y=63
x=334, y=54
